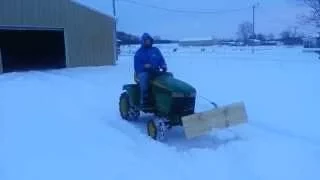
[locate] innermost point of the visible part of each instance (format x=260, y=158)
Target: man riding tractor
x=147, y=61
x=171, y=101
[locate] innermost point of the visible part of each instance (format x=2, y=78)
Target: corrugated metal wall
x=89, y=35
x=1, y=70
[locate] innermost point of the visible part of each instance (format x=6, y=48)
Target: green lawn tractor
x=172, y=102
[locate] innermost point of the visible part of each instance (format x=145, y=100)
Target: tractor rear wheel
x=127, y=112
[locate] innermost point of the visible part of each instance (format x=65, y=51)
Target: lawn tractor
x=172, y=102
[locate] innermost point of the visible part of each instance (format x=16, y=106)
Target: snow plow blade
x=220, y=118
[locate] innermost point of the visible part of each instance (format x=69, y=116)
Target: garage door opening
x=29, y=49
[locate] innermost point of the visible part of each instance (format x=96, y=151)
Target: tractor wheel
x=152, y=129
x=127, y=112
x=157, y=129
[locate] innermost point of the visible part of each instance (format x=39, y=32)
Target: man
x=147, y=59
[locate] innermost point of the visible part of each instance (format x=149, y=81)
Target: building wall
x=311, y=42
x=89, y=35
x=1, y=70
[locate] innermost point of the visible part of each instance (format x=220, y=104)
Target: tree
x=270, y=37
x=286, y=34
x=245, y=31
x=156, y=38
x=261, y=37
x=127, y=38
x=300, y=35
x=290, y=37
x=314, y=16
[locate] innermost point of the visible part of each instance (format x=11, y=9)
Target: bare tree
x=261, y=37
x=314, y=14
x=286, y=34
x=270, y=36
x=245, y=30
x=156, y=38
x=291, y=37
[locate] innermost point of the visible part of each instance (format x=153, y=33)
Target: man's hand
x=147, y=66
x=164, y=68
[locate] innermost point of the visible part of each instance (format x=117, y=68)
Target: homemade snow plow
x=172, y=102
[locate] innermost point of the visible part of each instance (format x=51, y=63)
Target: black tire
x=124, y=105
x=126, y=111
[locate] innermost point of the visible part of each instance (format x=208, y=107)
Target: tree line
x=127, y=39
x=245, y=32
x=288, y=36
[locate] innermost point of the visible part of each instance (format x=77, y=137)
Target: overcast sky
x=272, y=16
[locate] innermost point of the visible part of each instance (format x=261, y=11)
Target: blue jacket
x=148, y=55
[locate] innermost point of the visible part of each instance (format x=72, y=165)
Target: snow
x=64, y=124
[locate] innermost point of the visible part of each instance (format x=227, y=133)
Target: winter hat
x=146, y=36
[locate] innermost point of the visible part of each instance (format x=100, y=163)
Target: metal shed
x=54, y=34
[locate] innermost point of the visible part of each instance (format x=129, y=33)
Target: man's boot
x=145, y=102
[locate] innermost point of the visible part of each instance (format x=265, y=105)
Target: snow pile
x=65, y=124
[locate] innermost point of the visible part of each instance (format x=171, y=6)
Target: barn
x=54, y=34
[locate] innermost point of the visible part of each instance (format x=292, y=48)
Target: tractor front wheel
x=127, y=112
x=157, y=128
x=152, y=129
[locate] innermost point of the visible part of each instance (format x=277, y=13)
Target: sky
x=272, y=16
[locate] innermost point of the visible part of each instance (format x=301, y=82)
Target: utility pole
x=115, y=14
x=253, y=25
x=253, y=19
x=114, y=8
x=115, y=29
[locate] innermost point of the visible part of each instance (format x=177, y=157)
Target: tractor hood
x=177, y=87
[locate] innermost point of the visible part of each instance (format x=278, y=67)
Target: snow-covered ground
x=66, y=125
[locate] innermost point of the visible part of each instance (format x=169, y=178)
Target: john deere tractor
x=172, y=102
x=169, y=100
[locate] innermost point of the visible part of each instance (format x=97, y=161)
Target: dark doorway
x=29, y=49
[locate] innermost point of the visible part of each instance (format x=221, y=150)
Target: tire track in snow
x=175, y=138
x=45, y=75
x=13, y=77
x=285, y=133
